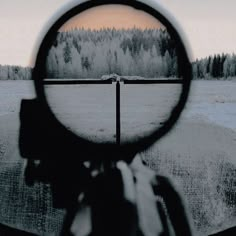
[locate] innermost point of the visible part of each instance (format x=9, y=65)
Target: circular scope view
x=109, y=72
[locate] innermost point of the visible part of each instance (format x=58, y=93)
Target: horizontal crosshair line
x=156, y=81
x=74, y=81
x=109, y=81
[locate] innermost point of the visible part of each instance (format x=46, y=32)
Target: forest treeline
x=8, y=72
x=148, y=53
x=219, y=66
x=83, y=53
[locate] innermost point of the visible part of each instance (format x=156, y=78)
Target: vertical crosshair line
x=118, y=113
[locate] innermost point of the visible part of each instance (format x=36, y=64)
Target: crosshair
x=184, y=71
x=117, y=81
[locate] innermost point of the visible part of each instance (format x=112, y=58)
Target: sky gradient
x=110, y=16
x=208, y=24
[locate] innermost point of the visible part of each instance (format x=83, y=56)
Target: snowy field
x=199, y=154
x=90, y=110
x=213, y=102
x=209, y=101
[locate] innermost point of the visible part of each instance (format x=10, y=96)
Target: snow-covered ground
x=209, y=101
x=213, y=101
x=90, y=110
x=11, y=93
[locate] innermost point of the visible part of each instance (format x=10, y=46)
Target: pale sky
x=208, y=24
x=110, y=16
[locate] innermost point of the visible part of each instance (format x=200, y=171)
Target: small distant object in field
x=113, y=77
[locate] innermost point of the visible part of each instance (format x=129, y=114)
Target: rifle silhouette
x=105, y=188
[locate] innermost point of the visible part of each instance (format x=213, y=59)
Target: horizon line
x=197, y=59
x=111, y=28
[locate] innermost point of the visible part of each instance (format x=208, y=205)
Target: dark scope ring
x=184, y=65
